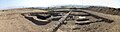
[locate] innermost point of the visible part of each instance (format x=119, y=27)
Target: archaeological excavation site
x=61, y=19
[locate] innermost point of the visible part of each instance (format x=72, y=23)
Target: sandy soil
x=13, y=21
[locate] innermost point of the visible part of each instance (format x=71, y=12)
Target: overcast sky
x=46, y=3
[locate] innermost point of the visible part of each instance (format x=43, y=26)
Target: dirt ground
x=13, y=21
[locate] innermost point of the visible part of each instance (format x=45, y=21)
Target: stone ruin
x=61, y=18
x=79, y=17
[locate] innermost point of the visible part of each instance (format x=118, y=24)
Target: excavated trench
x=77, y=21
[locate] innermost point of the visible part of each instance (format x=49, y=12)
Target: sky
x=4, y=4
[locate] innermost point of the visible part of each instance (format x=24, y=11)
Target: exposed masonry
x=63, y=17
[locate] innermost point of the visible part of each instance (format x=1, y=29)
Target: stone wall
x=106, y=10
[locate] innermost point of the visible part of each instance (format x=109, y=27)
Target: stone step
x=88, y=21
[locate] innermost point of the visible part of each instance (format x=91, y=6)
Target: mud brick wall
x=106, y=10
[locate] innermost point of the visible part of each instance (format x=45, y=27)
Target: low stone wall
x=106, y=10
